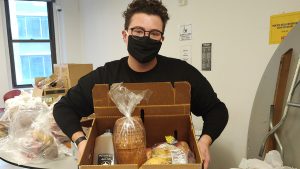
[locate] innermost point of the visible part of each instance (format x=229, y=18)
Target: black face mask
x=143, y=49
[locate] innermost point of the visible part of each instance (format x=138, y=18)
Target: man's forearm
x=206, y=139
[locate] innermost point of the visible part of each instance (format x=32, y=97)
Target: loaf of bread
x=130, y=141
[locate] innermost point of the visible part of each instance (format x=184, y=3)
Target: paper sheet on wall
x=281, y=25
x=186, y=54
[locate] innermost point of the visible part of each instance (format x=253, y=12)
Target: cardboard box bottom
x=157, y=127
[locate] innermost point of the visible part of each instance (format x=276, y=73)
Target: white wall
x=68, y=31
x=101, y=25
x=5, y=84
x=239, y=30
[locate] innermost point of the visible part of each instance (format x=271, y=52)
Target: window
x=31, y=40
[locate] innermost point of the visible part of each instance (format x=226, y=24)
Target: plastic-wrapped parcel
x=30, y=127
x=129, y=132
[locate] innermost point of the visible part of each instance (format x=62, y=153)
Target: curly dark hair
x=151, y=7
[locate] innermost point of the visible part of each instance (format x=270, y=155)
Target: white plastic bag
x=254, y=164
x=29, y=137
x=272, y=161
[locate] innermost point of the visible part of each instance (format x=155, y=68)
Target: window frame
x=10, y=40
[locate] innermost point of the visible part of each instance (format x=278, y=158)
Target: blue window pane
x=23, y=6
x=25, y=67
x=32, y=60
x=36, y=66
x=34, y=22
x=48, y=65
x=33, y=27
x=45, y=27
x=21, y=27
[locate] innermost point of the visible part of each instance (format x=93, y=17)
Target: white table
x=7, y=162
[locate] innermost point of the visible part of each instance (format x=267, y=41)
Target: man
x=145, y=22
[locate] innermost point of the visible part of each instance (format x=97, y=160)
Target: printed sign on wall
x=281, y=25
x=206, y=56
x=185, y=32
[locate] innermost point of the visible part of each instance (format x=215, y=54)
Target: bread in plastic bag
x=171, y=151
x=129, y=133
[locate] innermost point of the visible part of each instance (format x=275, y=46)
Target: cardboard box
x=49, y=95
x=165, y=113
x=73, y=72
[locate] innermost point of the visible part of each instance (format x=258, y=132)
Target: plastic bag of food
x=53, y=81
x=170, y=152
x=3, y=129
x=129, y=132
x=29, y=137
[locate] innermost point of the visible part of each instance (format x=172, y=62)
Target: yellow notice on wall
x=281, y=25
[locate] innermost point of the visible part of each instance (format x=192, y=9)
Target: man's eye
x=155, y=33
x=139, y=31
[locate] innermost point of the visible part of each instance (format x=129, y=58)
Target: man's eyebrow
x=145, y=29
x=139, y=27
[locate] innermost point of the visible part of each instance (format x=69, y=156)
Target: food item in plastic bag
x=49, y=147
x=3, y=129
x=148, y=153
x=183, y=146
x=129, y=132
x=39, y=144
x=30, y=139
x=130, y=143
x=57, y=132
x=156, y=161
x=172, y=151
x=53, y=81
x=186, y=149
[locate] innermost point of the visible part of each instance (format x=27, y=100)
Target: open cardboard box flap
x=166, y=112
x=165, y=98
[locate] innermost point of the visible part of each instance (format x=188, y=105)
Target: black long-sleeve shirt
x=78, y=102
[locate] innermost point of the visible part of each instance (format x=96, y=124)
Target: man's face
x=145, y=21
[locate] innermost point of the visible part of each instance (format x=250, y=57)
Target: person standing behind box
x=145, y=22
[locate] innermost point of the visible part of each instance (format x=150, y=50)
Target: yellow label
x=170, y=139
x=281, y=25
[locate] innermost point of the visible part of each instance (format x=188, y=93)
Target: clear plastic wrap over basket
x=129, y=132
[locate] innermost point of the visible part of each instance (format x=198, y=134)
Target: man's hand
x=203, y=146
x=81, y=147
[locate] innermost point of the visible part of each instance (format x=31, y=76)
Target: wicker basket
x=130, y=141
